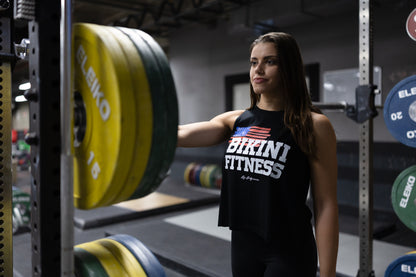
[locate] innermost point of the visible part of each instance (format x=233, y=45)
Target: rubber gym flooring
x=178, y=224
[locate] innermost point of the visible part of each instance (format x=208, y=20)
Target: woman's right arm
x=207, y=133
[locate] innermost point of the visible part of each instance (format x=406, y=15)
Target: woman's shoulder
x=321, y=124
x=229, y=118
x=319, y=118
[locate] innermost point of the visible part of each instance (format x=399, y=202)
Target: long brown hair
x=297, y=101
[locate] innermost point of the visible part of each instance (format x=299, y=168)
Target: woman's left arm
x=324, y=191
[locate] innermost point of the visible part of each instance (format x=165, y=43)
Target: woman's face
x=263, y=69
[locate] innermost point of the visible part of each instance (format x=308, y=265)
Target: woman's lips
x=259, y=80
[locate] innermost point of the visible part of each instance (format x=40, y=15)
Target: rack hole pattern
x=6, y=245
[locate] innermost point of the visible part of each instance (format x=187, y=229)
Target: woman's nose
x=259, y=68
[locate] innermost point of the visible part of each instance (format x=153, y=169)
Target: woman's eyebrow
x=267, y=57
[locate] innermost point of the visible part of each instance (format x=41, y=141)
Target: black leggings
x=252, y=256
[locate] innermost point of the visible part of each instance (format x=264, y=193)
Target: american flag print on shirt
x=252, y=132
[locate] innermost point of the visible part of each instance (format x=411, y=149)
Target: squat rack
x=365, y=221
x=51, y=163
x=363, y=113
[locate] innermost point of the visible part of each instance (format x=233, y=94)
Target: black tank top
x=266, y=178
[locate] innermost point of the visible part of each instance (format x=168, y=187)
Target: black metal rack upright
x=44, y=138
x=365, y=221
x=6, y=63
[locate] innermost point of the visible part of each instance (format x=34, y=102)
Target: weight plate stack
x=403, y=266
x=102, y=148
x=400, y=111
x=105, y=257
x=197, y=174
x=126, y=115
x=146, y=116
x=205, y=175
x=87, y=265
x=146, y=258
x=214, y=172
x=165, y=111
x=403, y=196
x=164, y=145
x=192, y=174
x=114, y=256
x=124, y=257
x=170, y=93
x=187, y=172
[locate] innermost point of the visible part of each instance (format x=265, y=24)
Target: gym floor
x=178, y=224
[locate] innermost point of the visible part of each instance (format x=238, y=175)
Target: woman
x=276, y=148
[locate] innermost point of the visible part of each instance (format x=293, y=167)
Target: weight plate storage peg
x=403, y=196
x=104, y=128
x=400, y=111
x=404, y=266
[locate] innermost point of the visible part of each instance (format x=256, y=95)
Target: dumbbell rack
x=48, y=164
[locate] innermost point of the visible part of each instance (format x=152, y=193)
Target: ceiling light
x=20, y=98
x=24, y=86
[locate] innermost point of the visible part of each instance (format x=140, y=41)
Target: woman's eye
x=253, y=63
x=271, y=62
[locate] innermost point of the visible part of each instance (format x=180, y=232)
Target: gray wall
x=201, y=57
